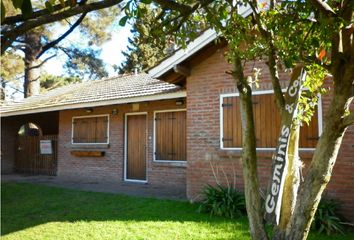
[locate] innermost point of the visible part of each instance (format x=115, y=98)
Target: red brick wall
x=111, y=167
x=207, y=81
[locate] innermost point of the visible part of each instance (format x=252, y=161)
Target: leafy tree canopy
x=316, y=34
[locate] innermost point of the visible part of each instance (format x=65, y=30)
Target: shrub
x=326, y=218
x=223, y=201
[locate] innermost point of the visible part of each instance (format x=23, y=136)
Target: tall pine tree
x=40, y=45
x=144, y=51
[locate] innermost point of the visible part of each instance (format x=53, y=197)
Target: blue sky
x=111, y=52
x=111, y=55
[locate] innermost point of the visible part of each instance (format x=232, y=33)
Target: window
x=90, y=129
x=30, y=129
x=267, y=123
x=170, y=136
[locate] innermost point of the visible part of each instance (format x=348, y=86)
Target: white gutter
x=165, y=96
x=207, y=37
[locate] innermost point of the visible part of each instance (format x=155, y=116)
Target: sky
x=111, y=52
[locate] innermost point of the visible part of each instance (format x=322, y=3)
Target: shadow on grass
x=28, y=205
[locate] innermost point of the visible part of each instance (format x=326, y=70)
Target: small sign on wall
x=45, y=146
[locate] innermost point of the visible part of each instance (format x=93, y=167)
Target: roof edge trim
x=165, y=96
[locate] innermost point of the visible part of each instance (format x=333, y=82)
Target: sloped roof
x=117, y=90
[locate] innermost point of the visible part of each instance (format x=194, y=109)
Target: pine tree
x=39, y=46
x=144, y=51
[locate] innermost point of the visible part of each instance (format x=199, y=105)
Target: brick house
x=181, y=131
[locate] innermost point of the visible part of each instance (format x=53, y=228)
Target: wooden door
x=28, y=158
x=136, y=147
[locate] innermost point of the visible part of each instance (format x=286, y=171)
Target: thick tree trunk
x=317, y=178
x=320, y=170
x=31, y=85
x=249, y=156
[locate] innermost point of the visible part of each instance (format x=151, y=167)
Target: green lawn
x=39, y=212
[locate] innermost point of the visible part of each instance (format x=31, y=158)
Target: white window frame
x=222, y=96
x=154, y=137
x=126, y=179
x=89, y=116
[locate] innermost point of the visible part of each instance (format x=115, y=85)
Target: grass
x=39, y=212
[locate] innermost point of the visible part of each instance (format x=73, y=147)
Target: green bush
x=326, y=219
x=223, y=201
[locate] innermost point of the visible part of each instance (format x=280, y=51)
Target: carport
x=31, y=143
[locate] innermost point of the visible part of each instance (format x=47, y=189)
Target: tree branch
x=272, y=59
x=43, y=62
x=274, y=74
x=348, y=120
x=184, y=9
x=324, y=8
x=10, y=35
x=19, y=18
x=173, y=5
x=55, y=42
x=66, y=52
x=313, y=59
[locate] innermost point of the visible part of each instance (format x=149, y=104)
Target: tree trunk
x=317, y=178
x=249, y=155
x=2, y=91
x=291, y=185
x=31, y=85
x=320, y=170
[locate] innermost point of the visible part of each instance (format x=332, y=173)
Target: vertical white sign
x=280, y=158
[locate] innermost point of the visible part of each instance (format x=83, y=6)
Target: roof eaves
x=155, y=97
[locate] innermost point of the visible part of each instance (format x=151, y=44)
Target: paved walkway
x=135, y=189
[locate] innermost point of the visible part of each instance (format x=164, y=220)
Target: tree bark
x=2, y=91
x=318, y=175
x=320, y=170
x=249, y=155
x=31, y=85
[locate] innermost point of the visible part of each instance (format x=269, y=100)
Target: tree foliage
x=49, y=81
x=144, y=51
x=83, y=62
x=316, y=34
